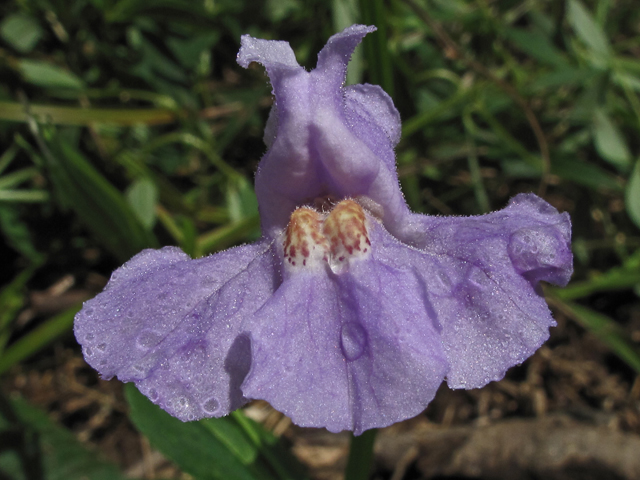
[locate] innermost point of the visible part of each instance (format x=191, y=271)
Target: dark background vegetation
x=127, y=124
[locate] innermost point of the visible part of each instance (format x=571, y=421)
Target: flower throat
x=336, y=238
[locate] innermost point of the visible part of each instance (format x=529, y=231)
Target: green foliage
x=228, y=448
x=32, y=446
x=21, y=31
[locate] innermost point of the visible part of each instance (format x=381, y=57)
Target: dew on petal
x=88, y=352
x=444, y=279
x=148, y=339
x=88, y=311
x=101, y=347
x=353, y=340
x=211, y=405
x=153, y=395
x=89, y=337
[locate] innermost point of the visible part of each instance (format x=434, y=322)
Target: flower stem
x=360, y=456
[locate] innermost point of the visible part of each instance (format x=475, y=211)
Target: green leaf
x=605, y=329
x=188, y=52
x=241, y=199
x=98, y=204
x=154, y=64
x=537, y=45
x=278, y=10
x=12, y=300
x=60, y=455
x=37, y=338
x=609, y=142
x=44, y=74
x=17, y=233
x=211, y=449
x=618, y=278
x=228, y=235
x=632, y=195
x=21, y=31
x=628, y=80
x=566, y=76
x=588, y=30
x=142, y=195
x=583, y=173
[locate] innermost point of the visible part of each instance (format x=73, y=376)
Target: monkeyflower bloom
x=351, y=310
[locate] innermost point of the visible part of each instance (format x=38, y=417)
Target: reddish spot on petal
x=346, y=229
x=313, y=238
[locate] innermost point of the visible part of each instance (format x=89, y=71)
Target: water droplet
x=444, y=279
x=211, y=405
x=88, y=352
x=353, y=340
x=181, y=402
x=89, y=337
x=88, y=311
x=153, y=395
x=148, y=339
x=102, y=347
x=479, y=278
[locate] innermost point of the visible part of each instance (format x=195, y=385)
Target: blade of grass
x=214, y=449
x=86, y=116
x=8, y=156
x=98, y=204
x=274, y=453
x=604, y=328
x=12, y=299
x=346, y=13
x=16, y=178
x=222, y=237
x=24, y=196
x=376, y=45
x=38, y=338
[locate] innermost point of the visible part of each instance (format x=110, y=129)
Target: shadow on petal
x=237, y=365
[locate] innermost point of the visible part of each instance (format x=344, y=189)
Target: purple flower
x=351, y=310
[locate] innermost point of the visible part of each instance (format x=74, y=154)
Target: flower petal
x=346, y=352
x=334, y=57
x=324, y=140
x=172, y=325
x=368, y=105
x=481, y=275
